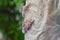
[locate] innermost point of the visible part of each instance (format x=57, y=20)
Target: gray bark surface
x=44, y=27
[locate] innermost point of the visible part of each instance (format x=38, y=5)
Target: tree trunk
x=43, y=27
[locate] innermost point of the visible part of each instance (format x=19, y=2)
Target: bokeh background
x=11, y=19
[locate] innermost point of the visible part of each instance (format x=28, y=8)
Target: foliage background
x=11, y=19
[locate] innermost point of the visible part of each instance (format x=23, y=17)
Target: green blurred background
x=11, y=19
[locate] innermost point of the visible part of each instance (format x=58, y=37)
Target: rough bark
x=45, y=26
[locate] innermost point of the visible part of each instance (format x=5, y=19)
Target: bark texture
x=45, y=14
